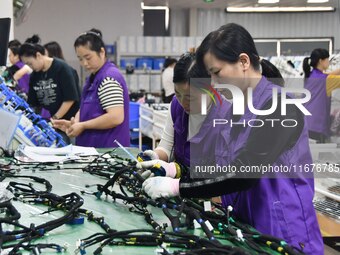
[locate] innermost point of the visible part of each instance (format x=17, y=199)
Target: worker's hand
x=75, y=130
x=63, y=125
x=161, y=187
x=147, y=155
x=151, y=154
x=160, y=168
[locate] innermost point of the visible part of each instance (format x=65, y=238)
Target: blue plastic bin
x=144, y=63
x=127, y=62
x=134, y=119
x=158, y=63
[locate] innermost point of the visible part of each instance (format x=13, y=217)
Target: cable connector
x=80, y=247
x=76, y=221
x=239, y=235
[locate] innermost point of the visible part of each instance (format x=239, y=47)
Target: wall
x=179, y=22
x=275, y=25
x=64, y=20
x=6, y=11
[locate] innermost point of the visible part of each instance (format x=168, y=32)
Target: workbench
x=116, y=214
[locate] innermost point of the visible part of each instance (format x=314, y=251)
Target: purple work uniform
x=319, y=104
x=281, y=207
x=23, y=82
x=90, y=108
x=197, y=144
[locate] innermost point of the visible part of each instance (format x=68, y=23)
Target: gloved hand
x=161, y=187
x=160, y=168
x=147, y=155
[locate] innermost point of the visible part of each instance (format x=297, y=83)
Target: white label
x=207, y=206
x=210, y=227
x=196, y=224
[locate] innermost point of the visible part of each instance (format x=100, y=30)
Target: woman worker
x=19, y=70
x=104, y=111
x=278, y=205
x=52, y=83
x=321, y=85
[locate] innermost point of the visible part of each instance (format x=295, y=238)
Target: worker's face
x=223, y=72
x=35, y=63
x=12, y=58
x=189, y=97
x=324, y=63
x=90, y=59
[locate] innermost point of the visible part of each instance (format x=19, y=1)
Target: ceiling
x=182, y=4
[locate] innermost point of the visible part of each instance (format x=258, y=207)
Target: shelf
x=138, y=71
x=145, y=54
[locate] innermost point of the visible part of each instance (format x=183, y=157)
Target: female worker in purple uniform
x=320, y=85
x=104, y=110
x=280, y=205
x=19, y=70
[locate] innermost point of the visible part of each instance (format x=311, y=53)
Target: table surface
x=116, y=214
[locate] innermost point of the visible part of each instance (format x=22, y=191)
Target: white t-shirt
x=167, y=77
x=167, y=140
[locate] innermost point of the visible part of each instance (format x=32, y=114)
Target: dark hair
x=14, y=46
x=169, y=61
x=228, y=42
x=92, y=38
x=186, y=68
x=313, y=60
x=54, y=50
x=31, y=47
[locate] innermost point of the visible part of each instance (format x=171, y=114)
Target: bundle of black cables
x=22, y=236
x=128, y=179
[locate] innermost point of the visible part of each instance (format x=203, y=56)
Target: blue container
x=110, y=49
x=158, y=63
x=127, y=62
x=134, y=119
x=144, y=63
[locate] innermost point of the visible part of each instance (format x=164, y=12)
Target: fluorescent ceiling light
x=279, y=9
x=166, y=8
x=268, y=1
x=317, y=1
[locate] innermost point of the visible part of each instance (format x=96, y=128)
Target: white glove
x=157, y=187
x=160, y=167
x=150, y=153
x=147, y=174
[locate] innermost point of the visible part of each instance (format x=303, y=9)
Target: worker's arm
x=263, y=146
x=63, y=109
x=21, y=72
x=113, y=117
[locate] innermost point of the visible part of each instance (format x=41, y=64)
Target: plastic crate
x=110, y=49
x=144, y=63
x=134, y=115
x=158, y=63
x=134, y=120
x=127, y=62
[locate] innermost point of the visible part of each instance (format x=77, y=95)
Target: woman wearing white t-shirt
x=167, y=77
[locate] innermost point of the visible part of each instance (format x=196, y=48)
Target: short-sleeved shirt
x=51, y=88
